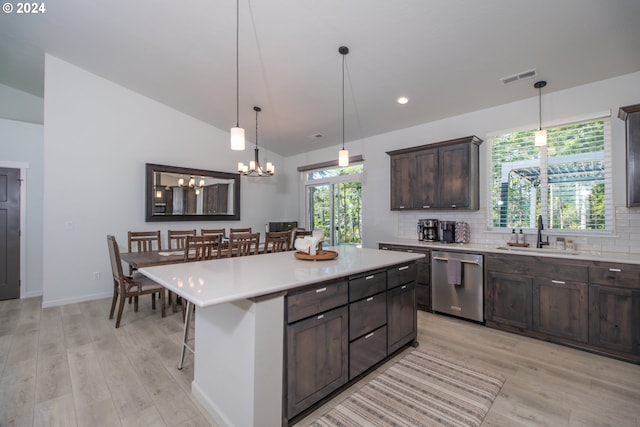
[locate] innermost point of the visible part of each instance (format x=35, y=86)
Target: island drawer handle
x=615, y=270
x=559, y=282
x=369, y=299
x=403, y=268
x=370, y=277
x=320, y=317
x=369, y=335
x=321, y=290
x=404, y=287
x=426, y=206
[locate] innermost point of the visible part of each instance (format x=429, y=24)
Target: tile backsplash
x=625, y=237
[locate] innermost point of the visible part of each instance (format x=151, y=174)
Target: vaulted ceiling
x=448, y=57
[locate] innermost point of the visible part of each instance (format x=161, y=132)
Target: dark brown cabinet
x=423, y=273
x=317, y=358
x=561, y=308
x=317, y=352
x=614, y=295
x=509, y=299
x=338, y=330
x=402, y=325
x=631, y=116
x=436, y=176
x=586, y=304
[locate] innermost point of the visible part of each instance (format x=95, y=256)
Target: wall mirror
x=183, y=194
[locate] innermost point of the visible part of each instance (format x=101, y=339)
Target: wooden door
x=454, y=176
x=317, y=358
x=9, y=233
x=615, y=318
x=561, y=308
x=402, y=171
x=401, y=316
x=509, y=299
x=426, y=183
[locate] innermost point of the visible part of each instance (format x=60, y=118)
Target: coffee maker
x=428, y=230
x=447, y=231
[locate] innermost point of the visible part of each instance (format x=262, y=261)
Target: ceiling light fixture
x=254, y=168
x=343, y=155
x=541, y=134
x=403, y=100
x=237, y=133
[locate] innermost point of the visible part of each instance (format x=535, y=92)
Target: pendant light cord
x=343, y=101
x=238, y=63
x=540, y=107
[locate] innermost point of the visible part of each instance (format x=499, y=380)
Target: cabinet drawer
x=367, y=314
x=623, y=276
x=322, y=297
x=401, y=274
x=367, y=285
x=367, y=351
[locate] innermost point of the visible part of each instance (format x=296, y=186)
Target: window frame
x=609, y=208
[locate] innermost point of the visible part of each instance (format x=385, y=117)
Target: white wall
x=21, y=147
x=97, y=138
x=20, y=106
x=380, y=223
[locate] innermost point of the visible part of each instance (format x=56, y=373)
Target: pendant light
x=254, y=168
x=541, y=134
x=343, y=155
x=237, y=133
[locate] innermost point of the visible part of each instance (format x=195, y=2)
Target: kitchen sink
x=538, y=250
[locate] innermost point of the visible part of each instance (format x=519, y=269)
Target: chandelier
x=254, y=168
x=192, y=183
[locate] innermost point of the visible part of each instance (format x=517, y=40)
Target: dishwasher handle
x=464, y=261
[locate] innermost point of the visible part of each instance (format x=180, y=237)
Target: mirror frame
x=152, y=169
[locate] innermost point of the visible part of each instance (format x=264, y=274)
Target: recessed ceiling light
x=403, y=100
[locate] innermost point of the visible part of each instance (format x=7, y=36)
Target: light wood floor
x=69, y=366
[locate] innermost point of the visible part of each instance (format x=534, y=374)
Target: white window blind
x=568, y=181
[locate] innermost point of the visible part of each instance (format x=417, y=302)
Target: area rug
x=421, y=389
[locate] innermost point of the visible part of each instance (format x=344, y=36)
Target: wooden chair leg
x=120, y=309
x=113, y=303
x=162, y=305
x=135, y=304
x=153, y=301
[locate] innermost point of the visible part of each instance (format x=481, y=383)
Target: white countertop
x=206, y=283
x=628, y=258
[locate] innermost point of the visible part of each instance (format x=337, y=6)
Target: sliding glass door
x=334, y=204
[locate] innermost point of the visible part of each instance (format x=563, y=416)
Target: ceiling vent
x=316, y=136
x=520, y=76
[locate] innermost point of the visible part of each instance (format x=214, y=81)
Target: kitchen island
x=240, y=321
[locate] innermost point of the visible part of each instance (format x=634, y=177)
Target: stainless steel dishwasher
x=457, y=289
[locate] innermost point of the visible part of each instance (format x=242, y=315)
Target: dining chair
x=277, y=241
x=198, y=248
x=240, y=230
x=243, y=244
x=178, y=238
x=127, y=286
x=144, y=241
x=209, y=231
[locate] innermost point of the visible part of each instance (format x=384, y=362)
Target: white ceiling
x=447, y=56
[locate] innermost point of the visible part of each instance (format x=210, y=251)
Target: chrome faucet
x=540, y=243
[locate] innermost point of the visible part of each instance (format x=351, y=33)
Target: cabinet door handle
x=404, y=287
x=615, y=270
x=403, y=268
x=321, y=290
x=401, y=207
x=369, y=277
x=369, y=335
x=369, y=299
x=320, y=317
x=426, y=206
x=453, y=206
x=559, y=282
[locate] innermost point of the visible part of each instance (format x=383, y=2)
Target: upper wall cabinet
x=443, y=175
x=631, y=116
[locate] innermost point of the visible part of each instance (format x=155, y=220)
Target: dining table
x=139, y=260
